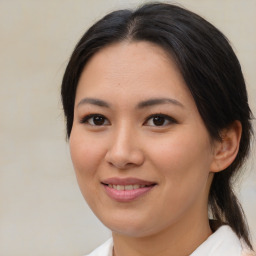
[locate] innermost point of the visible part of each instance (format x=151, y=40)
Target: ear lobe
x=225, y=151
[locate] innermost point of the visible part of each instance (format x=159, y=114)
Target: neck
x=181, y=239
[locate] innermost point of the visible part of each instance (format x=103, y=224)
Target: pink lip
x=127, y=181
x=127, y=195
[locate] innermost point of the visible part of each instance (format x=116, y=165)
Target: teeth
x=120, y=187
x=136, y=186
x=126, y=187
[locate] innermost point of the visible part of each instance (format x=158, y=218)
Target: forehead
x=132, y=68
x=127, y=54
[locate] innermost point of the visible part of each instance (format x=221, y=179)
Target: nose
x=124, y=151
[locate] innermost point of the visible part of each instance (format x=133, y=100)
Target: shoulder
x=103, y=250
x=218, y=244
x=223, y=240
x=248, y=253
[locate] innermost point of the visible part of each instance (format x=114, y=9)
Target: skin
x=179, y=156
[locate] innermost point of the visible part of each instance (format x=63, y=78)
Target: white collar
x=222, y=242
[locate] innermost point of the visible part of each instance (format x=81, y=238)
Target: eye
x=159, y=120
x=95, y=120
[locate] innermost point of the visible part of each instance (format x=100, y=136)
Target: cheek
x=183, y=162
x=86, y=155
x=180, y=150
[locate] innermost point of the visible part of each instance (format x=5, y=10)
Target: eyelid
x=84, y=120
x=170, y=119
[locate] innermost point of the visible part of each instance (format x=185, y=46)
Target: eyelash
x=167, y=118
x=170, y=120
x=85, y=120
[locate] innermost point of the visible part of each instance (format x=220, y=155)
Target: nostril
x=124, y=160
x=121, y=166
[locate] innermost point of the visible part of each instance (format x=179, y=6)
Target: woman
x=159, y=124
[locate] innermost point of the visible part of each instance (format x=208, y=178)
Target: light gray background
x=41, y=209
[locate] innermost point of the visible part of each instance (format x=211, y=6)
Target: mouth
x=126, y=190
x=127, y=187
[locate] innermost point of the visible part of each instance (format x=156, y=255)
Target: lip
x=127, y=181
x=127, y=195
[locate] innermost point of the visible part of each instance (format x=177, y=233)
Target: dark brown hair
x=210, y=69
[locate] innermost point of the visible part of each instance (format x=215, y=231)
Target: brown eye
x=95, y=120
x=160, y=120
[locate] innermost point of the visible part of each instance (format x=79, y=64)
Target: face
x=140, y=150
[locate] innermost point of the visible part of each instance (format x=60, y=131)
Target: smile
x=128, y=189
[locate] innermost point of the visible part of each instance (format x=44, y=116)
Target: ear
x=226, y=149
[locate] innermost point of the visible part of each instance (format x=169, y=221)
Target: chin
x=130, y=231
x=132, y=227
x=125, y=225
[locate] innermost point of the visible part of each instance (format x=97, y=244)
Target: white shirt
x=222, y=242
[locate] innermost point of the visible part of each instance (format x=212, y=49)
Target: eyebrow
x=143, y=104
x=158, y=101
x=93, y=101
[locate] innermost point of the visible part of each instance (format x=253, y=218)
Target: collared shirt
x=223, y=242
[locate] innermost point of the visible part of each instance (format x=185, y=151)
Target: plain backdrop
x=41, y=209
